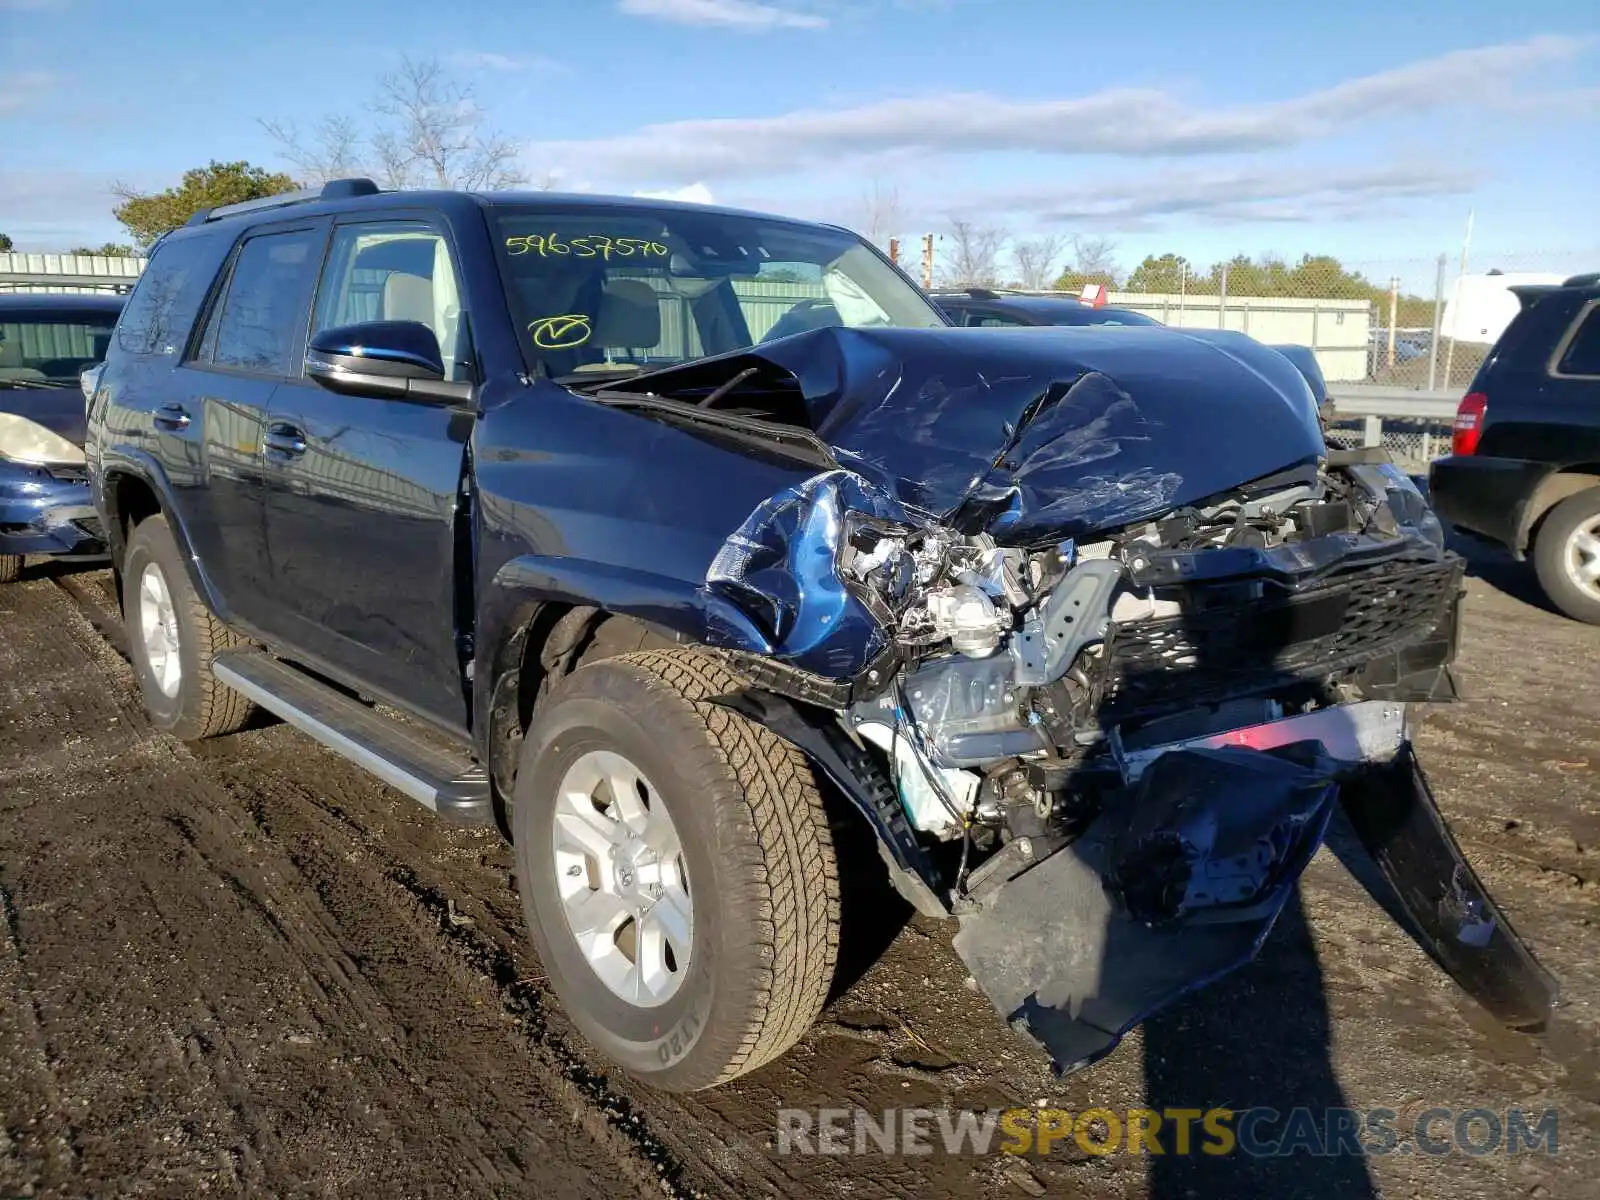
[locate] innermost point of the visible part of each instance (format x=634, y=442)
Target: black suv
x=685, y=541
x=1524, y=471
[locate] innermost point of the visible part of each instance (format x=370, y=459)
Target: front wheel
x=1566, y=555
x=172, y=638
x=677, y=870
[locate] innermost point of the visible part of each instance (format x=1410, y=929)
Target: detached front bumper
x=1181, y=882
x=47, y=511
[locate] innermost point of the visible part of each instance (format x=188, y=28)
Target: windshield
x=44, y=348
x=619, y=290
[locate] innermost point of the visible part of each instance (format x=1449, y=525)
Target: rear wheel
x=172, y=638
x=10, y=568
x=677, y=870
x=1566, y=555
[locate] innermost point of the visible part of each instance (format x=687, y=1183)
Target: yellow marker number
x=595, y=245
x=561, y=333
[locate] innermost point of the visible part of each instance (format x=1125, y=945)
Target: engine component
x=936, y=799
x=1071, y=617
x=965, y=614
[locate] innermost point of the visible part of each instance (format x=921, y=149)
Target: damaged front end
x=1097, y=633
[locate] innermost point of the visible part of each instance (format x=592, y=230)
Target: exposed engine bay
x=1095, y=632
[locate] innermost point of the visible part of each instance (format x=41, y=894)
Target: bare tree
x=425, y=131
x=884, y=214
x=974, y=257
x=1035, y=261
x=1094, y=256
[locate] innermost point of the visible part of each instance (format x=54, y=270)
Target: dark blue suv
x=685, y=542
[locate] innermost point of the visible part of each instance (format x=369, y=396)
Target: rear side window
x=258, y=320
x=162, y=309
x=1582, y=354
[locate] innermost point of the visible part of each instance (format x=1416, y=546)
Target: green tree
x=1163, y=273
x=109, y=250
x=1074, y=280
x=6, y=244
x=148, y=215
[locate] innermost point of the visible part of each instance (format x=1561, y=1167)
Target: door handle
x=172, y=416
x=284, y=440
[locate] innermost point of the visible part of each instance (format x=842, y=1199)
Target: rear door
x=209, y=424
x=363, y=493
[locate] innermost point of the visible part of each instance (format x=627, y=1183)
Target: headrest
x=408, y=298
x=629, y=316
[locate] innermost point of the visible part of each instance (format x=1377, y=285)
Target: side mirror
x=398, y=359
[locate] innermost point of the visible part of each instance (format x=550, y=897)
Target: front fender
x=531, y=582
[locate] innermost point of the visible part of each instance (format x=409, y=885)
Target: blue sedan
x=46, y=342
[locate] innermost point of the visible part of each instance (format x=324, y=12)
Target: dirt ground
x=246, y=967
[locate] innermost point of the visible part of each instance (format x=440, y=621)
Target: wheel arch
x=538, y=618
x=1552, y=490
x=131, y=491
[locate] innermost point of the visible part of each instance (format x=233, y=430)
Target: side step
x=450, y=783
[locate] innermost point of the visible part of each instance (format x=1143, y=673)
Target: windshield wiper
x=50, y=384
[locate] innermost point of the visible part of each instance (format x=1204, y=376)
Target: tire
x=1553, y=551
x=193, y=705
x=10, y=568
x=762, y=880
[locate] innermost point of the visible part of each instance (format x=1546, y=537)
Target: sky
x=1364, y=130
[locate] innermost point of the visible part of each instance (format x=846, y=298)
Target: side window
x=161, y=310
x=1582, y=355
x=394, y=271
x=256, y=323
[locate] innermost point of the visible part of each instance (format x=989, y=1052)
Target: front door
x=363, y=493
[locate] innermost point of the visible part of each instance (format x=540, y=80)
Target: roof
x=62, y=301
x=344, y=195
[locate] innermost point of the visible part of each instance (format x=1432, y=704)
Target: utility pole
x=894, y=250
x=927, y=262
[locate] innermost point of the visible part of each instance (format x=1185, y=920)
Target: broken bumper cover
x=47, y=511
x=1183, y=884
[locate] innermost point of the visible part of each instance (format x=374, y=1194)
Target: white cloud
x=22, y=88
x=1258, y=195
x=493, y=61
x=694, y=193
x=1127, y=122
x=733, y=14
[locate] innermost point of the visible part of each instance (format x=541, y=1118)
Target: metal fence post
x=1372, y=435
x=1222, y=299
x=1438, y=321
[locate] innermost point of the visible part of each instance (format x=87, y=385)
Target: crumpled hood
x=1031, y=433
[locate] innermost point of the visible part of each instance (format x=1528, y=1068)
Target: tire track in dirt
x=231, y=1012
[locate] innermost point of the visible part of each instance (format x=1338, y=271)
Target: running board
x=450, y=784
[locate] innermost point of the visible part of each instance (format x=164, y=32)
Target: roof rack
x=334, y=189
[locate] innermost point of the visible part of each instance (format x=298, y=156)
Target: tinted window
x=264, y=310
x=393, y=271
x=1582, y=356
x=162, y=308
x=994, y=320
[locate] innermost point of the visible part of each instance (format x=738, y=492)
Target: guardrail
x=1413, y=425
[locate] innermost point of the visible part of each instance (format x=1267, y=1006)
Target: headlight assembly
x=21, y=440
